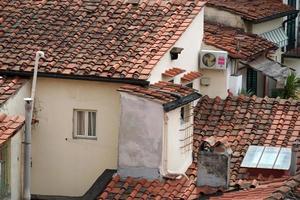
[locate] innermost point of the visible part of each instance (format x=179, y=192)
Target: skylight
x=267, y=158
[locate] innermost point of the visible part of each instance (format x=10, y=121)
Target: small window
x=190, y=85
x=185, y=114
x=171, y=81
x=84, y=124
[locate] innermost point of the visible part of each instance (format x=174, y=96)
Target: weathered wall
x=191, y=41
x=293, y=63
x=62, y=165
x=15, y=105
x=213, y=170
x=16, y=165
x=223, y=17
x=140, y=138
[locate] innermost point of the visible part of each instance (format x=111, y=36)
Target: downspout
x=165, y=170
x=29, y=104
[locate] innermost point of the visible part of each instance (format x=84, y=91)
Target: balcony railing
x=293, y=53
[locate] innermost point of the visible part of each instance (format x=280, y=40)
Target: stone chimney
x=214, y=163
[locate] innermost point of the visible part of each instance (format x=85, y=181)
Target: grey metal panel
x=252, y=156
x=284, y=159
x=268, y=158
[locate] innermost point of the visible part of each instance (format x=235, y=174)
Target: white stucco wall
x=15, y=104
x=191, y=41
x=16, y=165
x=178, y=159
x=223, y=17
x=62, y=165
x=267, y=26
x=293, y=63
x=140, y=137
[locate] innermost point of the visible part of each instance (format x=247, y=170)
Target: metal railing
x=295, y=52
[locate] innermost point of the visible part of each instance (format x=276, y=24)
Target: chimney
x=214, y=163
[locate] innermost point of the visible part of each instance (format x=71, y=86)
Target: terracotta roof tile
x=246, y=121
x=236, y=122
x=173, y=72
x=226, y=38
x=9, y=125
x=253, y=10
x=9, y=86
x=190, y=76
x=110, y=39
x=163, y=92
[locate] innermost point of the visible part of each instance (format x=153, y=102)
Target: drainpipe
x=29, y=104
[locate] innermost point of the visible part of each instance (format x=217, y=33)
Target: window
x=171, y=81
x=185, y=114
x=84, y=124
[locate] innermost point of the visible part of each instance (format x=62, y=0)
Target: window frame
x=86, y=124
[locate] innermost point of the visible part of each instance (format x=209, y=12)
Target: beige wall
x=62, y=165
x=267, y=26
x=15, y=105
x=16, y=161
x=223, y=17
x=191, y=41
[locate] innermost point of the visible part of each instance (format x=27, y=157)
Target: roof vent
x=174, y=52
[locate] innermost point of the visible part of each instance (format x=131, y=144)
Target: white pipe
x=38, y=56
x=29, y=104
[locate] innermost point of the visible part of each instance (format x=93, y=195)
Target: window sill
x=85, y=137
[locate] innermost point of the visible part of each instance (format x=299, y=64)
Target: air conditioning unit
x=210, y=59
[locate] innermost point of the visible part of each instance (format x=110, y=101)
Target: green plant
x=291, y=87
x=245, y=92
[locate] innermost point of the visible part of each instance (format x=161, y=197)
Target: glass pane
x=252, y=156
x=284, y=159
x=92, y=124
x=80, y=122
x=268, y=158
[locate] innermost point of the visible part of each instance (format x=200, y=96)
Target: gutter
x=181, y=101
x=76, y=77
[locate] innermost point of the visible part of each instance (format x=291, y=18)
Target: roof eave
x=268, y=18
x=81, y=77
x=181, y=101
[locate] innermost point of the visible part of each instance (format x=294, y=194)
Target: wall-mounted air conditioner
x=210, y=59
